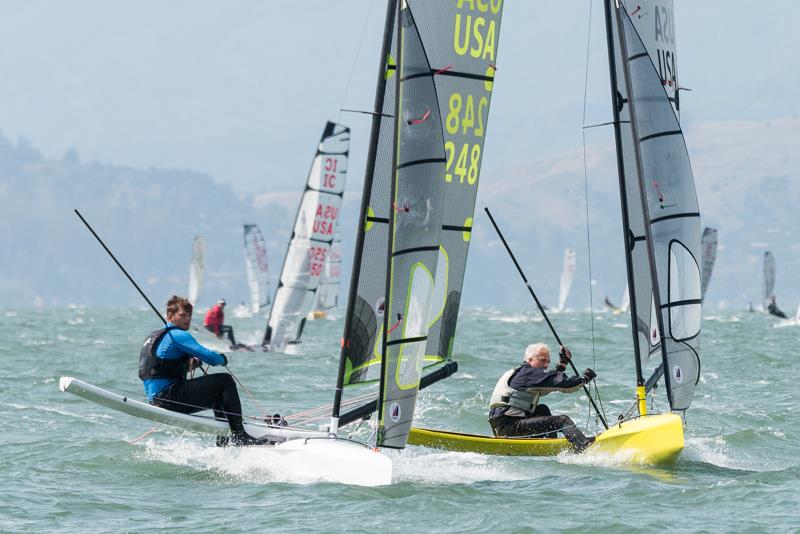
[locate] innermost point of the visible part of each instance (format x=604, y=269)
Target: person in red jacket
x=215, y=317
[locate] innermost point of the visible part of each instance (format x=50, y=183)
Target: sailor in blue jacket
x=166, y=357
x=515, y=409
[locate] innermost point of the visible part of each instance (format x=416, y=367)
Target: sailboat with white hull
x=404, y=289
x=661, y=229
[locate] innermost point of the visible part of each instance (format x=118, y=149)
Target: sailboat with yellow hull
x=661, y=227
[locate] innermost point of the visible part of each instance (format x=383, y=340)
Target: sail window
x=684, y=293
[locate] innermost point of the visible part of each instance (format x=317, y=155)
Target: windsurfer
x=215, y=317
x=515, y=409
x=165, y=358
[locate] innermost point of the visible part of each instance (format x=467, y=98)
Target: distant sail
x=567, y=275
x=625, y=305
x=709, y=245
x=196, y=269
x=255, y=263
x=311, y=239
x=768, y=279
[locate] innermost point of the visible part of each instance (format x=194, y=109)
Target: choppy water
x=66, y=463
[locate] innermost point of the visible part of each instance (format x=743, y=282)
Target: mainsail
x=567, y=275
x=255, y=264
x=311, y=239
x=436, y=75
x=196, y=269
x=661, y=219
x=709, y=242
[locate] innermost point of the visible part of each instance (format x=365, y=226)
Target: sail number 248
x=462, y=118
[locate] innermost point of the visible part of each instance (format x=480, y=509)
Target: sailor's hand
x=194, y=363
x=564, y=355
x=224, y=360
x=588, y=376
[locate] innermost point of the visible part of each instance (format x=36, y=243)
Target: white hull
x=309, y=454
x=196, y=423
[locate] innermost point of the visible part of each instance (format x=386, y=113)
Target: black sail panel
x=417, y=209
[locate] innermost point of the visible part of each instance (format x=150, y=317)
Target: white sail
x=196, y=269
x=626, y=301
x=311, y=239
x=256, y=266
x=567, y=275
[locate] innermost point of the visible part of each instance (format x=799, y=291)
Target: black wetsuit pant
x=540, y=424
x=225, y=330
x=215, y=392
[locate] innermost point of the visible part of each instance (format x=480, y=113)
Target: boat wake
x=427, y=466
x=257, y=465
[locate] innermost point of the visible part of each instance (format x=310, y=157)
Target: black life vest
x=151, y=366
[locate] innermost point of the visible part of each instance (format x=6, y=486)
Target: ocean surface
x=67, y=464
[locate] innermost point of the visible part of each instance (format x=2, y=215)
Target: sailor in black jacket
x=515, y=409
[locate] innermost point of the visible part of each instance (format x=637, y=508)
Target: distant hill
x=748, y=177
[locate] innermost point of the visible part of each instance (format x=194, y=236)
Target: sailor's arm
x=190, y=346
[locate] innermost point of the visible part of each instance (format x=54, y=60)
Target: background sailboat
x=196, y=269
x=311, y=239
x=567, y=275
x=709, y=244
x=257, y=268
x=768, y=287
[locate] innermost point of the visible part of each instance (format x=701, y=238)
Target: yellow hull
x=652, y=439
x=456, y=441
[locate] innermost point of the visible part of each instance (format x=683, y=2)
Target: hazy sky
x=241, y=89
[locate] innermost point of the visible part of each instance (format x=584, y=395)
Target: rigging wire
x=355, y=60
x=586, y=195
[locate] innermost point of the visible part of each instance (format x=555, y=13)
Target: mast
x=392, y=203
x=627, y=235
x=377, y=118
